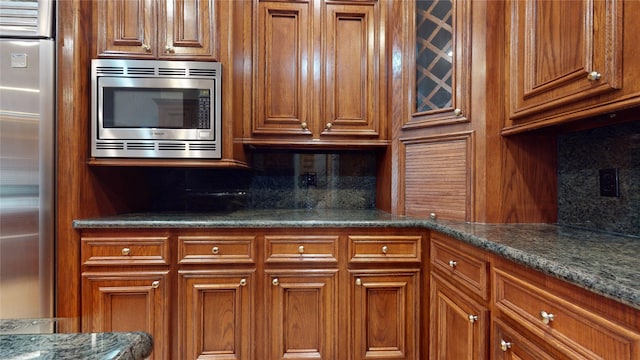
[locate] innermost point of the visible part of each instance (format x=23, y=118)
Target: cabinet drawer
x=290, y=248
x=366, y=248
x=464, y=265
x=216, y=249
x=583, y=333
x=143, y=250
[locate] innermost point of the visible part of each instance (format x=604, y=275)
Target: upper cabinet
x=151, y=29
x=569, y=60
x=439, y=73
x=319, y=74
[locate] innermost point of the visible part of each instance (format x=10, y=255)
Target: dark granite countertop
x=603, y=263
x=85, y=346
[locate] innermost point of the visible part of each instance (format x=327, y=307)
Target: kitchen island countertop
x=606, y=264
x=80, y=346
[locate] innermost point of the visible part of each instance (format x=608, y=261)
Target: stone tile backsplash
x=278, y=180
x=580, y=157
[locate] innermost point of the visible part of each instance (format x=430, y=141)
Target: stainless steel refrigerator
x=27, y=158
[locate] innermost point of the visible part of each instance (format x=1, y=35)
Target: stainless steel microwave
x=155, y=109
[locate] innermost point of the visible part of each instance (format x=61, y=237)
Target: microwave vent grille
x=172, y=71
x=202, y=147
x=140, y=146
x=202, y=72
x=109, y=145
x=141, y=71
x=171, y=146
x=109, y=70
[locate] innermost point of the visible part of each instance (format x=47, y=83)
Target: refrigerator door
x=27, y=111
x=26, y=18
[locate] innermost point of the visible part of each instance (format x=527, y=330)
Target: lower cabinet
x=128, y=301
x=385, y=314
x=458, y=325
x=254, y=294
x=215, y=313
x=510, y=344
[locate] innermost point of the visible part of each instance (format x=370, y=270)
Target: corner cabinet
x=157, y=29
x=569, y=59
x=319, y=74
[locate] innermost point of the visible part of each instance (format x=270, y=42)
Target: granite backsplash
x=277, y=180
x=581, y=156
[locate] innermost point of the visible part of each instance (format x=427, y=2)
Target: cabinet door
x=215, y=310
x=459, y=325
x=384, y=308
x=302, y=314
x=284, y=69
x=126, y=28
x=440, y=90
x=134, y=301
x=561, y=52
x=188, y=29
x=354, y=50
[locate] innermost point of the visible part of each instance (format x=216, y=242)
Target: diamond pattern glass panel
x=434, y=54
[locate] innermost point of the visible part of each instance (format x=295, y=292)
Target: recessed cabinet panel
x=215, y=314
x=350, y=64
x=284, y=69
x=384, y=312
x=561, y=52
x=302, y=314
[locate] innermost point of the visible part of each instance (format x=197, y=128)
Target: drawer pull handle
x=275, y=282
x=473, y=318
x=155, y=284
x=301, y=249
x=243, y=282
x=126, y=251
x=215, y=250
x=385, y=249
x=505, y=345
x=546, y=317
x=453, y=264
x=594, y=75
x=358, y=281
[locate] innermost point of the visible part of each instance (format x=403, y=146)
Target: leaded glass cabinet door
x=440, y=78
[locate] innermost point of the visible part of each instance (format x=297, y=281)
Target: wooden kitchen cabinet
x=128, y=301
x=459, y=309
x=319, y=74
x=126, y=285
x=569, y=60
x=384, y=296
x=510, y=344
x=157, y=29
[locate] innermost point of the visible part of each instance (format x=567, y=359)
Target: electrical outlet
x=609, y=182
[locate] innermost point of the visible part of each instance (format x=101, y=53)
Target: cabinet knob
x=473, y=318
x=385, y=249
x=328, y=126
x=505, y=345
x=155, y=284
x=358, y=281
x=275, y=282
x=169, y=49
x=304, y=126
x=243, y=282
x=594, y=75
x=457, y=112
x=215, y=250
x=453, y=264
x=433, y=216
x=301, y=249
x=546, y=317
x=126, y=251
x=146, y=47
